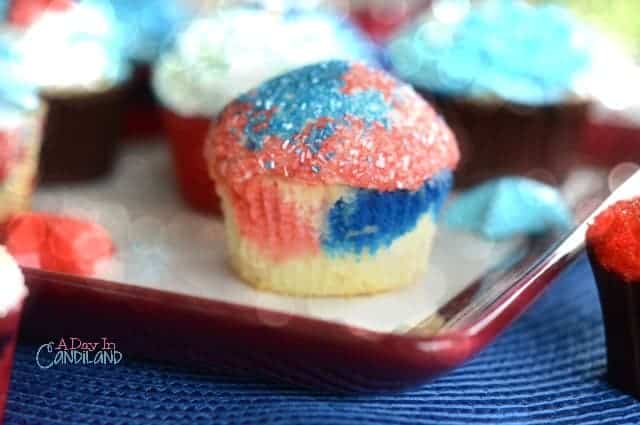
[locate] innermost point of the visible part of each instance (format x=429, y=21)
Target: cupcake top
x=148, y=26
x=17, y=95
x=332, y=123
x=220, y=57
x=73, y=49
x=614, y=238
x=12, y=288
x=497, y=49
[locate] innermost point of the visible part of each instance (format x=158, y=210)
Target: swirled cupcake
x=331, y=177
x=509, y=76
x=220, y=57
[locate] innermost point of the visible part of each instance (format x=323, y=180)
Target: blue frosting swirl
x=499, y=48
x=4, y=10
x=368, y=220
x=507, y=207
x=148, y=26
x=16, y=93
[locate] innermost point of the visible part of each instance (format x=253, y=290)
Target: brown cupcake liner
x=81, y=134
x=620, y=304
x=498, y=139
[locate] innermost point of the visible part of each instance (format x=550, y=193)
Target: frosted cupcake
x=331, y=177
x=218, y=58
x=76, y=61
x=12, y=294
x=148, y=27
x=508, y=76
x=21, y=119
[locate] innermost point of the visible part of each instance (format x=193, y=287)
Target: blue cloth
x=545, y=369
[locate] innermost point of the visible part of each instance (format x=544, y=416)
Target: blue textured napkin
x=546, y=369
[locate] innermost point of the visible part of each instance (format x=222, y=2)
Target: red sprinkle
x=614, y=237
x=57, y=243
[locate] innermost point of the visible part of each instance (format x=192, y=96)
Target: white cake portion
x=12, y=288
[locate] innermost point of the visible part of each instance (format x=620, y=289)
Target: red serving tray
x=152, y=324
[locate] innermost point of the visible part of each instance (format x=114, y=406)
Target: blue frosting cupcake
x=504, y=49
x=147, y=26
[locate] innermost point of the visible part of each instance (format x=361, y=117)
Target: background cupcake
x=75, y=59
x=21, y=118
x=509, y=78
x=148, y=27
x=330, y=178
x=219, y=57
x=12, y=294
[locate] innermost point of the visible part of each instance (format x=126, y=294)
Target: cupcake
x=75, y=60
x=21, y=118
x=149, y=27
x=613, y=245
x=330, y=178
x=220, y=57
x=12, y=294
x=510, y=79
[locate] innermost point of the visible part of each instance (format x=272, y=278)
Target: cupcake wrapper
x=81, y=134
x=276, y=245
x=143, y=117
x=187, y=136
x=8, y=335
x=620, y=303
x=496, y=140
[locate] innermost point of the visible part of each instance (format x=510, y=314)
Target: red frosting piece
x=614, y=237
x=23, y=13
x=57, y=243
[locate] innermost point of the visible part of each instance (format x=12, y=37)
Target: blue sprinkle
x=370, y=220
x=315, y=168
x=294, y=102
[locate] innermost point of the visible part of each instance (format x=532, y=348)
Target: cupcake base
x=274, y=241
x=8, y=335
x=324, y=275
x=503, y=139
x=143, y=118
x=187, y=136
x=81, y=134
x=620, y=303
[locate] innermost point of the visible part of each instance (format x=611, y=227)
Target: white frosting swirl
x=12, y=288
x=222, y=56
x=76, y=48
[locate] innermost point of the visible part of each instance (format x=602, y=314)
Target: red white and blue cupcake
x=330, y=178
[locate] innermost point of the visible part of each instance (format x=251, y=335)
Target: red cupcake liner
x=608, y=143
x=187, y=137
x=8, y=336
x=143, y=117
